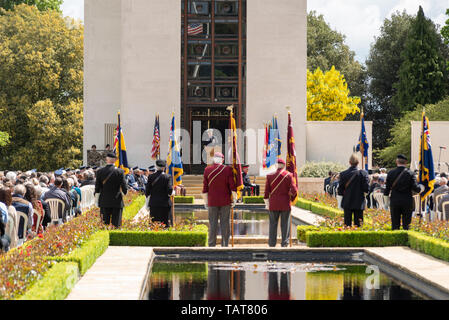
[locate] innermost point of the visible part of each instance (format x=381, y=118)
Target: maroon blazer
x=219, y=183
x=280, y=190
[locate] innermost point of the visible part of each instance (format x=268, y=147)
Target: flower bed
x=80, y=241
x=431, y=238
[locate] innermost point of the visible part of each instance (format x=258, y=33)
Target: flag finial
x=230, y=108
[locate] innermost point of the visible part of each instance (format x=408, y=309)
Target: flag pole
x=420, y=165
x=231, y=108
x=291, y=220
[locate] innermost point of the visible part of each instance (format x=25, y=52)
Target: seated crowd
x=25, y=197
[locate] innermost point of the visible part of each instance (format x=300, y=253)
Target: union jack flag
x=156, y=151
x=194, y=29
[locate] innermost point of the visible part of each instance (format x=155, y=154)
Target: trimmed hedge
x=129, y=212
x=434, y=247
x=56, y=283
x=181, y=199
x=304, y=204
x=324, y=210
x=253, y=200
x=302, y=230
x=88, y=253
x=356, y=238
x=158, y=239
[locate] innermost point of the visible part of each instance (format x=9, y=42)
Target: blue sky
x=359, y=20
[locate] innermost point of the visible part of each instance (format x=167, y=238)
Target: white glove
x=173, y=193
x=147, y=203
x=267, y=204
x=206, y=200
x=422, y=187
x=234, y=199
x=97, y=199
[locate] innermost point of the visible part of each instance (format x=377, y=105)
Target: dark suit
x=111, y=200
x=401, y=200
x=327, y=181
x=353, y=201
x=159, y=188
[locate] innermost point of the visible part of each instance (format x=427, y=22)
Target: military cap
x=111, y=155
x=245, y=166
x=152, y=168
x=59, y=172
x=281, y=161
x=402, y=157
x=135, y=168
x=82, y=167
x=160, y=163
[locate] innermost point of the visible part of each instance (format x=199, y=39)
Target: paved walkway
x=119, y=274
x=418, y=265
x=306, y=216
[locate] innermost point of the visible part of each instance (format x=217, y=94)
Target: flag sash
x=222, y=167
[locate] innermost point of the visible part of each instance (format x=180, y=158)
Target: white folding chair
x=39, y=220
x=371, y=200
x=23, y=236
x=56, y=206
x=379, y=197
x=445, y=210
x=435, y=205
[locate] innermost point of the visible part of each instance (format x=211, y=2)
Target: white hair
x=218, y=160
x=280, y=165
x=20, y=189
x=443, y=181
x=11, y=176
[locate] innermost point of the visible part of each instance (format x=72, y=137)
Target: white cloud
x=73, y=8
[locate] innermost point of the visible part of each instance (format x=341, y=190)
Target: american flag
x=194, y=29
x=156, y=151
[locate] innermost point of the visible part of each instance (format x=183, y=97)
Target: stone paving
x=119, y=274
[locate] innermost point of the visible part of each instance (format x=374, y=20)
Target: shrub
x=304, y=204
x=320, y=169
x=435, y=247
x=326, y=211
x=130, y=211
x=88, y=253
x=302, y=230
x=56, y=283
x=252, y=200
x=357, y=238
x=182, y=199
x=158, y=239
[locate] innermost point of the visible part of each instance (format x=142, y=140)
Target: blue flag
x=426, y=174
x=174, y=160
x=363, y=145
x=273, y=151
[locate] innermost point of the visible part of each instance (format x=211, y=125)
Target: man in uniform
x=219, y=193
x=159, y=189
x=401, y=183
x=250, y=188
x=354, y=184
x=280, y=190
x=111, y=185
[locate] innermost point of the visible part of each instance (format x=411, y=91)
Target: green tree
x=326, y=48
x=422, y=75
x=41, y=89
x=383, y=65
x=40, y=4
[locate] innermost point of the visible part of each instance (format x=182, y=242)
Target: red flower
x=40, y=235
x=59, y=244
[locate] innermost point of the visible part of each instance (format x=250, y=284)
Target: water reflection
x=246, y=223
x=269, y=281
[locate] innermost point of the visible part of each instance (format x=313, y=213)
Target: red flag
x=265, y=147
x=236, y=165
x=291, y=154
x=156, y=150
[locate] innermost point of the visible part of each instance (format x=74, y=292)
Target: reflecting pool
x=272, y=281
x=246, y=223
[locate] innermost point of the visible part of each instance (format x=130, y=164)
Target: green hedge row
x=253, y=200
x=181, y=199
x=89, y=252
x=304, y=204
x=434, y=247
x=318, y=208
x=158, y=239
x=129, y=212
x=302, y=230
x=356, y=238
x=55, y=284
